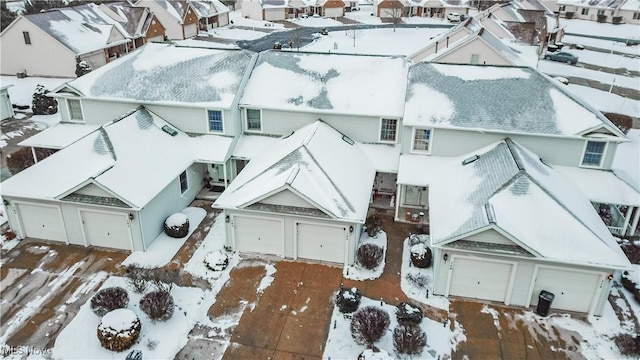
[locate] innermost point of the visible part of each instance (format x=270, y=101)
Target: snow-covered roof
x=601, y=186
x=531, y=5
x=328, y=83
x=130, y=17
x=305, y=163
x=602, y=4
x=504, y=99
x=208, y=8
x=510, y=188
x=631, y=5
x=385, y=157
x=83, y=29
x=170, y=74
x=177, y=9
x=59, y=136
x=249, y=146
x=111, y=155
x=439, y=3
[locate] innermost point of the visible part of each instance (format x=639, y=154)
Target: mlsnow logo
x=6, y=350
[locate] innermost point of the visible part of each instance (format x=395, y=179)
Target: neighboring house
x=436, y=8
x=471, y=43
x=278, y=10
x=141, y=25
x=113, y=187
x=525, y=20
x=6, y=109
x=211, y=13
x=596, y=10
x=502, y=210
x=629, y=12
x=63, y=37
x=179, y=18
x=394, y=9
x=298, y=201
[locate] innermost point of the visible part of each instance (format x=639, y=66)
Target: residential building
x=179, y=18
x=436, y=8
x=596, y=10
x=278, y=10
x=140, y=24
x=211, y=13
x=629, y=12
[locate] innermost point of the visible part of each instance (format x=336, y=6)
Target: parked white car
x=453, y=17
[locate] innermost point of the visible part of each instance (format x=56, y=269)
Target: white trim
x=413, y=136
x=206, y=113
x=233, y=231
x=84, y=233
x=584, y=149
x=512, y=276
x=246, y=121
x=595, y=296
x=395, y=138
x=82, y=121
x=16, y=206
x=345, y=228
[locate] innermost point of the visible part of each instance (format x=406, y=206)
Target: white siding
x=172, y=26
x=490, y=236
x=98, y=112
x=486, y=54
x=95, y=59
x=252, y=9
x=274, y=14
x=287, y=198
x=92, y=189
x=440, y=44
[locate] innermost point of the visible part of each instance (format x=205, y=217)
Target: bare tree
x=395, y=11
x=353, y=33
x=296, y=38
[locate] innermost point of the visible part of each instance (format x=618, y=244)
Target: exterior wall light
x=446, y=257
x=226, y=219
x=131, y=216
x=350, y=228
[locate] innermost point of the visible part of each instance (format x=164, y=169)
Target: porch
x=210, y=193
x=620, y=220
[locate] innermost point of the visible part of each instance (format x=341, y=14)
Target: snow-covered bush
x=83, y=68
x=418, y=280
x=368, y=325
x=372, y=354
x=164, y=279
x=629, y=284
x=415, y=239
x=370, y=256
x=373, y=225
x=42, y=104
x=109, y=299
x=177, y=225
x=348, y=300
x=628, y=344
x=409, y=339
x=158, y=305
x=421, y=256
x=137, y=278
x=119, y=329
x=408, y=314
x=216, y=260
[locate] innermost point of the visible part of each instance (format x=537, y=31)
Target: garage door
x=42, y=222
x=106, y=229
x=321, y=242
x=190, y=30
x=333, y=12
x=574, y=291
x=265, y=236
x=480, y=279
x=273, y=14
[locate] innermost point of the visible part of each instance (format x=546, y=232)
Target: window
x=388, y=129
x=75, y=110
x=600, y=12
x=636, y=16
x=475, y=58
x=215, y=120
x=585, y=11
x=254, y=120
x=421, y=140
x=562, y=8
x=184, y=183
x=593, y=153
x=27, y=38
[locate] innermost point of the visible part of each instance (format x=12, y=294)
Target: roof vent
x=348, y=140
x=169, y=130
x=469, y=160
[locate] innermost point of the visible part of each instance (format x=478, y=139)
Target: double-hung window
x=27, y=37
x=388, y=130
x=215, y=120
x=75, y=110
x=254, y=120
x=184, y=183
x=593, y=153
x=636, y=16
x=585, y=11
x=421, y=140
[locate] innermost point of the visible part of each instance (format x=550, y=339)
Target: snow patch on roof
x=59, y=136
x=470, y=73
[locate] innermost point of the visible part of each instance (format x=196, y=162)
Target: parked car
x=562, y=56
x=453, y=17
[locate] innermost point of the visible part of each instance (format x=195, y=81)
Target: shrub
x=418, y=280
x=137, y=278
x=164, y=279
x=216, y=260
x=373, y=225
x=628, y=344
x=348, y=300
x=370, y=256
x=83, y=68
x=119, y=329
x=408, y=314
x=176, y=225
x=42, y=104
x=602, y=18
x=368, y=325
x=409, y=339
x=421, y=256
x=19, y=160
x=109, y=299
x=569, y=14
x=158, y=305
x=616, y=20
x=630, y=285
x=415, y=239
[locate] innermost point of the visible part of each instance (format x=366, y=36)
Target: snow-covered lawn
x=602, y=44
x=364, y=15
x=313, y=21
x=426, y=20
x=606, y=101
x=403, y=41
x=233, y=33
x=421, y=294
x=557, y=68
x=356, y=272
x=164, y=247
x=441, y=340
x=606, y=59
x=586, y=27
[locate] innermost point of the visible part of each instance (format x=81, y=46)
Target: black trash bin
x=544, y=303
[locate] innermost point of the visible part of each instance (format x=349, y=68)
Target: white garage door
x=190, y=30
x=574, y=291
x=106, y=229
x=480, y=279
x=265, y=236
x=42, y=222
x=333, y=12
x=158, y=38
x=321, y=242
x=273, y=14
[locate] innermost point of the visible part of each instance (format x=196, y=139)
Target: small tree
x=296, y=37
x=395, y=12
x=368, y=325
x=409, y=339
x=83, y=68
x=43, y=104
x=354, y=33
x=348, y=299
